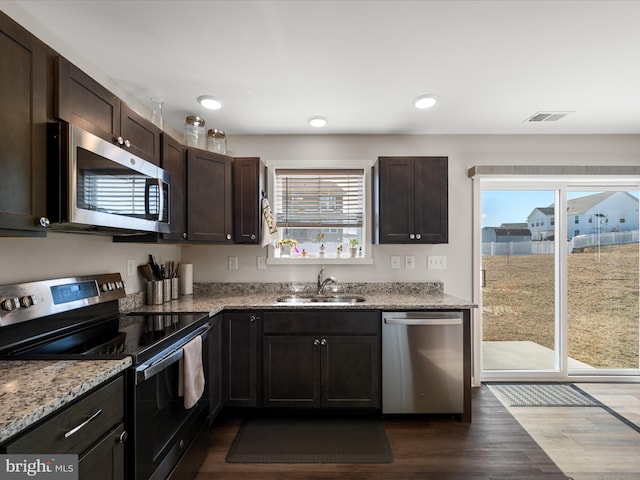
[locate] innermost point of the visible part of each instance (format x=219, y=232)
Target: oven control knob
x=112, y=286
x=104, y=287
x=10, y=304
x=28, y=300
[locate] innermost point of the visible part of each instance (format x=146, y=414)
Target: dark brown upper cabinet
x=248, y=188
x=84, y=102
x=412, y=201
x=209, y=199
x=23, y=83
x=173, y=161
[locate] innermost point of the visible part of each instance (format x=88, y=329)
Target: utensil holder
x=175, y=288
x=154, y=292
x=166, y=289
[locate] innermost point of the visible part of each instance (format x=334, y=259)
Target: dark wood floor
x=493, y=447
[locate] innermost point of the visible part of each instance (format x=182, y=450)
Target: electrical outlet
x=233, y=263
x=262, y=263
x=409, y=262
x=437, y=262
x=131, y=267
x=395, y=262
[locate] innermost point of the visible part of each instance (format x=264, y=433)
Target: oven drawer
x=77, y=427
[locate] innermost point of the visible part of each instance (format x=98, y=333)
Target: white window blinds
x=319, y=197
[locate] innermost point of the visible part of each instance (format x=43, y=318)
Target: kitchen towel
x=186, y=279
x=269, y=226
x=191, y=378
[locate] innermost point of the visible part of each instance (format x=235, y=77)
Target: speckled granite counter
x=31, y=390
x=215, y=297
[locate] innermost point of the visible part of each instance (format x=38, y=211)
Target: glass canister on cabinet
x=195, y=132
x=217, y=141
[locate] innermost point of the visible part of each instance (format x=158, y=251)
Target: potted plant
x=285, y=245
x=321, y=250
x=353, y=247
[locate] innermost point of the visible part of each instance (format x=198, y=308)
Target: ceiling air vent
x=547, y=116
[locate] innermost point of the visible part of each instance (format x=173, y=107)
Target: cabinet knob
x=184, y=235
x=44, y=222
x=323, y=342
x=228, y=236
x=412, y=236
x=127, y=143
x=253, y=237
x=316, y=342
x=418, y=236
x=252, y=318
x=119, y=140
x=123, y=437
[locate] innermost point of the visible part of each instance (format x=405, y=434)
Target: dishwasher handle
x=426, y=319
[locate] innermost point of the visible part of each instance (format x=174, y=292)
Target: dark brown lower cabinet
x=241, y=359
x=321, y=359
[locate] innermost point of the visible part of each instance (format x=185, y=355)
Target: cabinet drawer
x=315, y=321
x=49, y=437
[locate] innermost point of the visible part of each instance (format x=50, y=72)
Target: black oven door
x=163, y=428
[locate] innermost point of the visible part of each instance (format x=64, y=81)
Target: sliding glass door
x=560, y=280
x=602, y=281
x=519, y=325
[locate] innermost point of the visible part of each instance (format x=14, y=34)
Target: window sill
x=319, y=261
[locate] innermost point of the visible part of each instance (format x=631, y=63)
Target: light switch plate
x=409, y=262
x=437, y=262
x=395, y=262
x=131, y=267
x=262, y=263
x=233, y=263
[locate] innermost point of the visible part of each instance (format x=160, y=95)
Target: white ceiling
x=361, y=63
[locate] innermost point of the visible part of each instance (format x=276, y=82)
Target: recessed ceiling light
x=212, y=103
x=318, y=122
x=425, y=101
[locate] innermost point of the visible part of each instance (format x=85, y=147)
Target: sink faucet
x=323, y=283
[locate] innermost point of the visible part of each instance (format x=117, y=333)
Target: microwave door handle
x=161, y=200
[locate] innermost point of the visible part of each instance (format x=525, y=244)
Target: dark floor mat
x=311, y=440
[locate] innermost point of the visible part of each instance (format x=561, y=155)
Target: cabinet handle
x=316, y=341
x=418, y=236
x=412, y=236
x=83, y=424
x=323, y=342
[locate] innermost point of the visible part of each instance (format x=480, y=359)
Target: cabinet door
x=431, y=200
x=247, y=195
x=396, y=208
x=291, y=371
x=209, y=201
x=241, y=359
x=143, y=135
x=84, y=102
x=351, y=371
x=215, y=368
x=105, y=460
x=23, y=130
x=413, y=199
x=173, y=161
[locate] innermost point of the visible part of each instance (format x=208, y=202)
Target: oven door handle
x=146, y=371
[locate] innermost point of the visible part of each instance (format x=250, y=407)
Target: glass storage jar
x=216, y=141
x=194, y=132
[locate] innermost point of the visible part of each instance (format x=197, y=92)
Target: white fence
x=535, y=248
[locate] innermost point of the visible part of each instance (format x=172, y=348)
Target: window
x=553, y=221
x=321, y=211
x=590, y=218
x=577, y=219
x=622, y=220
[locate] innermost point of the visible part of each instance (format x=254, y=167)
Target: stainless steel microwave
x=94, y=186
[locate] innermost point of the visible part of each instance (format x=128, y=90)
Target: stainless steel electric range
x=79, y=318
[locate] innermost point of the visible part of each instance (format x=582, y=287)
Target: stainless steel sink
x=301, y=299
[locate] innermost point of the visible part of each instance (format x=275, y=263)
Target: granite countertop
x=213, y=298
x=33, y=389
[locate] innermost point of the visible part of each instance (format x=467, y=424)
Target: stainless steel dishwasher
x=422, y=362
